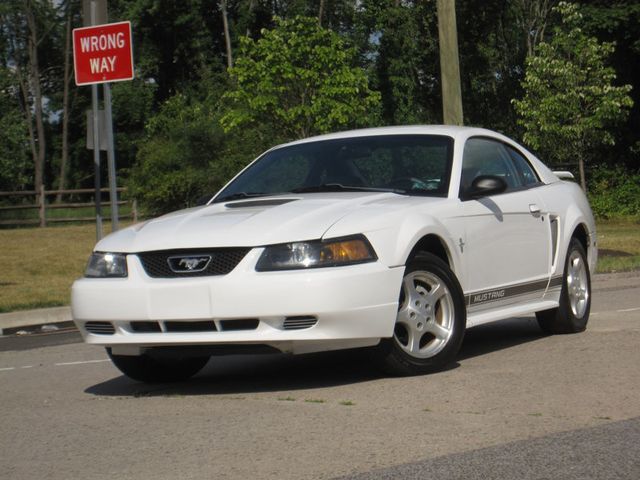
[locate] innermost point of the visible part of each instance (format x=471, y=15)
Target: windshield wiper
x=240, y=195
x=338, y=187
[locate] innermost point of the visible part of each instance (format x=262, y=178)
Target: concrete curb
x=31, y=318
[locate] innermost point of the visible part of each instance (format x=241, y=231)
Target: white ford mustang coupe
x=397, y=239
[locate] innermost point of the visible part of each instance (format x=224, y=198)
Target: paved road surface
x=517, y=405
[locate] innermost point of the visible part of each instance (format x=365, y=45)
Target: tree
x=171, y=168
x=570, y=101
x=619, y=22
x=492, y=53
x=175, y=43
x=227, y=37
x=26, y=24
x=66, y=84
x=533, y=16
x=184, y=153
x=301, y=78
x=14, y=160
x=402, y=50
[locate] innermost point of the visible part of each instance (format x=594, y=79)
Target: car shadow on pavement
x=280, y=373
x=257, y=373
x=495, y=336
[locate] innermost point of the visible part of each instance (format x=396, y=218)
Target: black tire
x=151, y=369
x=572, y=314
x=417, y=327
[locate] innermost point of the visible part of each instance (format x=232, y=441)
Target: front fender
x=570, y=204
x=394, y=234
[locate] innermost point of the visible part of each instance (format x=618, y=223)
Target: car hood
x=250, y=223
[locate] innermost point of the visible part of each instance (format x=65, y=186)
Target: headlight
x=103, y=265
x=316, y=253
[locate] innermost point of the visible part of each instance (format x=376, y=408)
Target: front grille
x=239, y=324
x=100, y=328
x=197, y=326
x=299, y=323
x=145, y=327
x=223, y=260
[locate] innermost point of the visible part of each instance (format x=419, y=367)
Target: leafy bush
x=614, y=192
x=171, y=169
x=185, y=155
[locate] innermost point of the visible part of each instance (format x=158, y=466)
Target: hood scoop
x=260, y=203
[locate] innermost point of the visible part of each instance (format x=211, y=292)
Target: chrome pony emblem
x=189, y=264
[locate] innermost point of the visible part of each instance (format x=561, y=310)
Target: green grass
x=38, y=265
x=619, y=245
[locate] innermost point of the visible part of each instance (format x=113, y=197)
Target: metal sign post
x=96, y=159
x=111, y=158
x=96, y=139
x=102, y=53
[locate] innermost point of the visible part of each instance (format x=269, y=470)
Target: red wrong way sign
x=103, y=53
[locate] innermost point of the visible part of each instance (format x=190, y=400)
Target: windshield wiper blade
x=338, y=187
x=241, y=195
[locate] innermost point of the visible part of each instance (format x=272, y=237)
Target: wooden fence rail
x=43, y=206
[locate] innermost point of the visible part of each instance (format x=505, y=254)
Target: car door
x=507, y=235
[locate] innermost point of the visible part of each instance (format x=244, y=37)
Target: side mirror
x=485, y=185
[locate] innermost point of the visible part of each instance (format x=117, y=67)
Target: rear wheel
x=431, y=320
x=151, y=369
x=572, y=314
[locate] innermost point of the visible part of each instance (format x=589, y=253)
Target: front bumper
x=353, y=305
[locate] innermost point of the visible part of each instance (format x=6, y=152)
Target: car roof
x=448, y=130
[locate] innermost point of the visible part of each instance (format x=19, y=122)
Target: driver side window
x=483, y=156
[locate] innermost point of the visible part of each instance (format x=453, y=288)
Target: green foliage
x=132, y=106
x=185, y=155
x=374, y=62
x=171, y=171
x=299, y=78
x=14, y=159
x=492, y=50
x=175, y=42
x=570, y=100
x=406, y=58
x=614, y=192
x=619, y=22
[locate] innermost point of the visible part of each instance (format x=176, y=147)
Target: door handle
x=534, y=209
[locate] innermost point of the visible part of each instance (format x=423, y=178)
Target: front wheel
x=431, y=320
x=151, y=369
x=572, y=314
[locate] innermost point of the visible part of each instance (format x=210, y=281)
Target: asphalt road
x=517, y=405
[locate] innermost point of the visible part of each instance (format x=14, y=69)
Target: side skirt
x=488, y=316
x=512, y=300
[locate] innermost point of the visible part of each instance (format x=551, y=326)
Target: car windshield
x=405, y=164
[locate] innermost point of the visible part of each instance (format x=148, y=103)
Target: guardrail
x=42, y=205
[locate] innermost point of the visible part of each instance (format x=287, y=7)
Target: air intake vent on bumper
x=100, y=328
x=298, y=323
